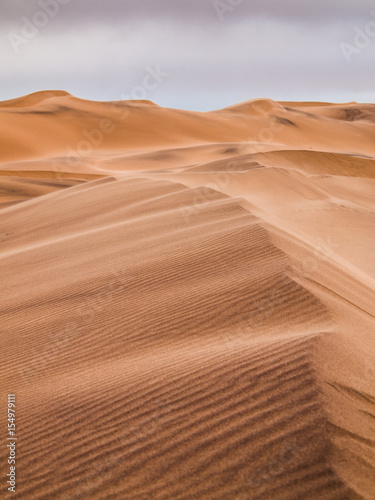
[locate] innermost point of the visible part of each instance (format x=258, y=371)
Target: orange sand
x=187, y=300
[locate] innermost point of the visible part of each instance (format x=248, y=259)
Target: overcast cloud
x=192, y=54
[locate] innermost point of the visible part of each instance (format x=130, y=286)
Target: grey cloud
x=201, y=11
x=270, y=48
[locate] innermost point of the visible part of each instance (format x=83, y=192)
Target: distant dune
x=188, y=299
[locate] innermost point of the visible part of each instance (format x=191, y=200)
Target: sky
x=190, y=54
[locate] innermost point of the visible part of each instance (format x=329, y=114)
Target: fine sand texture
x=188, y=299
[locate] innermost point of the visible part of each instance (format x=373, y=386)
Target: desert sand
x=187, y=305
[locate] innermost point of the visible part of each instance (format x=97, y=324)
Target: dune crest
x=257, y=107
x=33, y=99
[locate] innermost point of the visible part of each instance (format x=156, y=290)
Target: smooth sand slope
x=187, y=306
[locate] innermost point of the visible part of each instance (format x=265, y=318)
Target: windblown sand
x=187, y=305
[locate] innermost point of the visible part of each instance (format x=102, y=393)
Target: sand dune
x=188, y=299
